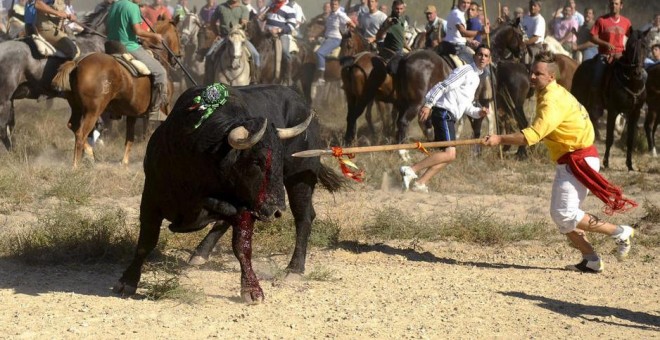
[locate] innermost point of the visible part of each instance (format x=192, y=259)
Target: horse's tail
x=61, y=81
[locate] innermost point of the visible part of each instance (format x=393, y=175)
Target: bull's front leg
x=241, y=242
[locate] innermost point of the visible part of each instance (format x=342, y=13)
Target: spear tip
x=311, y=153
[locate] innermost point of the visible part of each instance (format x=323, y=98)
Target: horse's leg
x=130, y=138
x=609, y=134
x=633, y=118
x=88, y=122
x=650, y=125
x=370, y=121
x=203, y=250
x=7, y=122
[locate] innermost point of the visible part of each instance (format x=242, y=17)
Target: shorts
x=443, y=125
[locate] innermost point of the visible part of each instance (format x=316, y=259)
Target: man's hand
x=158, y=37
x=275, y=30
x=493, y=140
x=424, y=113
x=484, y=112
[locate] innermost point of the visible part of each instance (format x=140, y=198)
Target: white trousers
x=567, y=196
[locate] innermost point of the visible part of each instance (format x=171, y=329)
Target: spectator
x=457, y=33
x=327, y=9
x=369, y=23
x=505, y=16
x=206, y=12
x=518, y=13
x=181, y=9
x=653, y=36
x=436, y=28
x=584, y=45
x=534, y=28
x=155, y=10
x=251, y=9
x=565, y=29
x=576, y=15
x=474, y=24
x=654, y=58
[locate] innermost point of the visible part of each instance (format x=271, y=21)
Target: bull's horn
x=286, y=133
x=239, y=138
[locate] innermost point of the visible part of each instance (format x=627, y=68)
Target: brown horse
x=653, y=104
x=623, y=91
x=365, y=81
x=98, y=82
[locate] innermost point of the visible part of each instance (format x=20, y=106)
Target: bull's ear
x=176, y=19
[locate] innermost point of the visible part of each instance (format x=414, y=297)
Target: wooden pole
x=392, y=147
x=492, y=76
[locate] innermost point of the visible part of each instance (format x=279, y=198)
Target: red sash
x=610, y=194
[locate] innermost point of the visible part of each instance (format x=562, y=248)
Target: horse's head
x=351, y=43
x=167, y=29
x=188, y=30
x=507, y=42
x=314, y=28
x=635, y=51
x=235, y=40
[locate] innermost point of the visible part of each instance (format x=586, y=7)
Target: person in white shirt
x=300, y=16
x=457, y=34
x=248, y=5
x=369, y=23
x=336, y=21
x=534, y=26
x=445, y=104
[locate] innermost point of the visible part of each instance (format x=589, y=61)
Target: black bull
x=194, y=177
x=284, y=107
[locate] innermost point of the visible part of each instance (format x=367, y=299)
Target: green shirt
x=394, y=39
x=230, y=16
x=122, y=16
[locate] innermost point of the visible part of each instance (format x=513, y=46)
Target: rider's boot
x=158, y=95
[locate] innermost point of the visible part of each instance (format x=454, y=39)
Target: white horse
x=231, y=61
x=189, y=29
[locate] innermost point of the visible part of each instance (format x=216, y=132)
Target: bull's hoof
x=196, y=260
x=123, y=289
x=252, y=296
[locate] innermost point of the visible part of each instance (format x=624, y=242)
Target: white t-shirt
x=455, y=17
x=370, y=23
x=335, y=22
x=534, y=26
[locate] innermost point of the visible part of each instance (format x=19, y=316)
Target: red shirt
x=151, y=14
x=608, y=29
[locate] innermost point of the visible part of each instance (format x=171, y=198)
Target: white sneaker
x=420, y=188
x=408, y=175
x=623, y=242
x=587, y=266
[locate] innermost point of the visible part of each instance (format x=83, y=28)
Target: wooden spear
x=392, y=147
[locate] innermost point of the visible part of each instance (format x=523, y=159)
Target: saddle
x=333, y=55
x=135, y=67
x=43, y=49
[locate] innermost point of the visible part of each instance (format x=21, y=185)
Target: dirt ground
x=390, y=290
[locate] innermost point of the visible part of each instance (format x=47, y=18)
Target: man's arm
x=44, y=8
x=137, y=28
x=384, y=27
x=516, y=138
x=471, y=34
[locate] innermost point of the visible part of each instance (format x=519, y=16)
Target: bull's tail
x=331, y=180
x=61, y=81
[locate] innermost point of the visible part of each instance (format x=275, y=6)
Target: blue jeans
x=328, y=46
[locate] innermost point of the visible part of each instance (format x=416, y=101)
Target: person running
x=445, y=104
x=563, y=124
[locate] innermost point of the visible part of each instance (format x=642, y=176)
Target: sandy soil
x=389, y=290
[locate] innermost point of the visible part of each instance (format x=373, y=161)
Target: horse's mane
x=97, y=17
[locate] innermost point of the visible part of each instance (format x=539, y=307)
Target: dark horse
x=365, y=80
x=98, y=82
x=27, y=75
x=623, y=91
x=653, y=104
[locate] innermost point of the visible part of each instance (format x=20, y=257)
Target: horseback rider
x=49, y=24
x=232, y=13
x=281, y=22
x=123, y=23
x=392, y=34
x=333, y=24
x=370, y=22
x=608, y=33
x=534, y=27
x=436, y=27
x=455, y=42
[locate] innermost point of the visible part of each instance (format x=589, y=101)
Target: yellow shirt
x=561, y=122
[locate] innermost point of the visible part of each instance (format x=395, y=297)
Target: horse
x=365, y=81
x=189, y=32
x=653, y=105
x=623, y=91
x=26, y=75
x=231, y=63
x=99, y=82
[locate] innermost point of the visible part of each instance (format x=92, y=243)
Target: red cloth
x=607, y=29
x=275, y=7
x=595, y=182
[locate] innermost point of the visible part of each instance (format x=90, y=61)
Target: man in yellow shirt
x=564, y=126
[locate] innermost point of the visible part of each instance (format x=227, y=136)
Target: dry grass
x=81, y=218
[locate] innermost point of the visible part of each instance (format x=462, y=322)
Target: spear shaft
x=392, y=147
